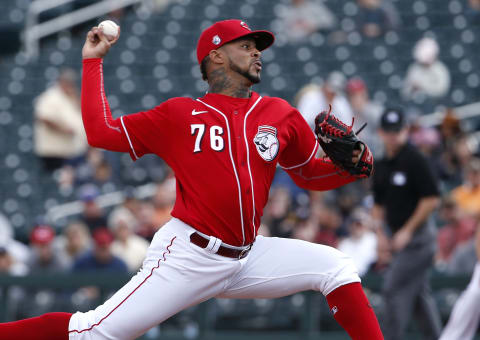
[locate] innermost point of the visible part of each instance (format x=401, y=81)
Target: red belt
x=202, y=242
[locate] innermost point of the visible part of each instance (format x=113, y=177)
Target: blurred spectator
x=127, y=246
x=146, y=220
x=85, y=170
x=277, y=210
x=463, y=259
x=427, y=140
x=282, y=179
x=450, y=127
x=405, y=195
x=376, y=17
x=43, y=258
x=365, y=110
x=103, y=174
x=97, y=170
x=311, y=99
x=347, y=198
x=9, y=266
x=305, y=229
x=467, y=195
x=302, y=18
x=163, y=201
x=361, y=244
x=99, y=259
x=14, y=297
x=320, y=226
x=101, y=256
x=92, y=215
x=384, y=256
x=17, y=250
x=130, y=202
x=43, y=261
x=74, y=242
x=427, y=77
x=130, y=205
x=263, y=230
x=455, y=152
x=329, y=222
x=58, y=127
x=457, y=230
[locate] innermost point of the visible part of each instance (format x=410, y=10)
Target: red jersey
x=223, y=151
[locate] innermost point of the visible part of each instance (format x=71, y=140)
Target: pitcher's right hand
x=97, y=45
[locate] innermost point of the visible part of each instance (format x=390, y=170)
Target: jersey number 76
x=216, y=139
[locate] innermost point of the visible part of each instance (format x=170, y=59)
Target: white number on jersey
x=198, y=140
x=216, y=139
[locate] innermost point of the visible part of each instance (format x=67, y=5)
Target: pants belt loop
x=213, y=245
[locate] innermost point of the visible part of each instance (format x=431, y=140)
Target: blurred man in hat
x=43, y=261
x=361, y=243
x=43, y=257
x=365, y=110
x=427, y=76
x=101, y=257
x=312, y=99
x=405, y=193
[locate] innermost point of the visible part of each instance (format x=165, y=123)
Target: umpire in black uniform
x=405, y=192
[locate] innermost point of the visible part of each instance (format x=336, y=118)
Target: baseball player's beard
x=253, y=78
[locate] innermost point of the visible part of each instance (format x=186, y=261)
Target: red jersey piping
x=248, y=162
x=233, y=165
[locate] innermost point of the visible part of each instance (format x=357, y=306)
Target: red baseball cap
x=355, y=85
x=42, y=234
x=225, y=31
x=102, y=237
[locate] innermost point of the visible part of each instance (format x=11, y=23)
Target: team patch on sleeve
x=266, y=142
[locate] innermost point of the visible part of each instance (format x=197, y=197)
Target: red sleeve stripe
x=335, y=172
x=302, y=164
x=126, y=298
x=104, y=100
x=128, y=138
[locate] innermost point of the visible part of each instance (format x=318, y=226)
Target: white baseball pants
x=177, y=274
x=463, y=321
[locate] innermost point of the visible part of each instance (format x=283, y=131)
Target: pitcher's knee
x=345, y=272
x=86, y=326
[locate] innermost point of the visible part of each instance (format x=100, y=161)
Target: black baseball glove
x=339, y=142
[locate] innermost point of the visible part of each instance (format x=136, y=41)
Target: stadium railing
x=308, y=327
x=34, y=31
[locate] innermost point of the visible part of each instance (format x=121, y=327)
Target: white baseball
x=109, y=28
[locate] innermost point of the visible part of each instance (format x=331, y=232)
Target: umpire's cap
x=393, y=119
x=226, y=31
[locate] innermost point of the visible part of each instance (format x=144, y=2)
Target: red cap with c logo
x=226, y=31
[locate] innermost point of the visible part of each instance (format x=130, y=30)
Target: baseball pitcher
x=224, y=148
